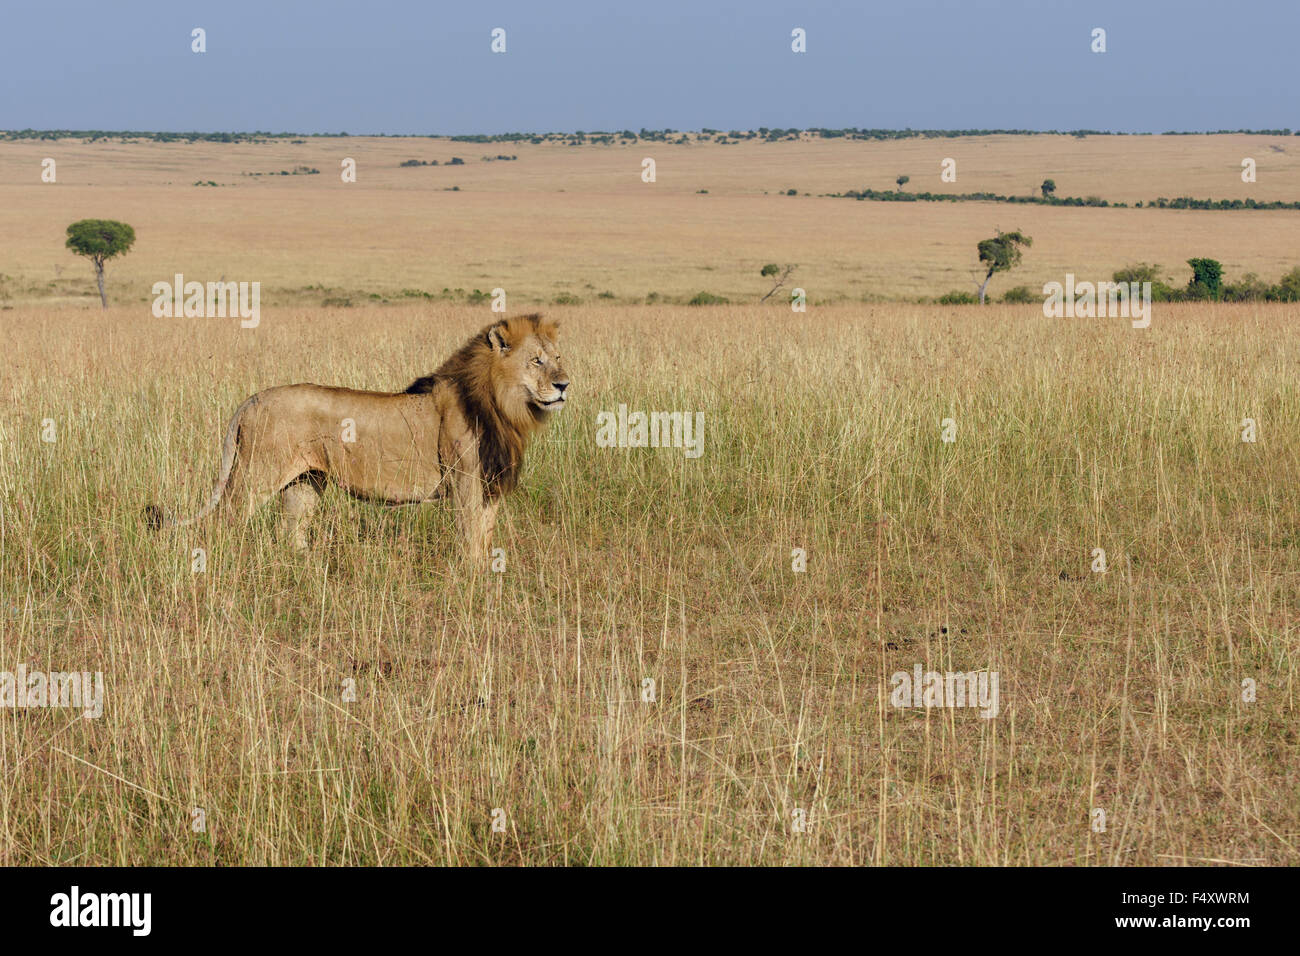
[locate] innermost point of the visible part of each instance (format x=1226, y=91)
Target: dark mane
x=422, y=385
x=501, y=441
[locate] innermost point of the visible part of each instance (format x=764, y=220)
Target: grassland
x=579, y=221
x=522, y=691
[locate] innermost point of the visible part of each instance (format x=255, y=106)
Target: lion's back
x=377, y=444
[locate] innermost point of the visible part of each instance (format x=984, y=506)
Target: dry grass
x=522, y=691
x=578, y=220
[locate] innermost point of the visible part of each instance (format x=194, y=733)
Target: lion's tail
x=156, y=518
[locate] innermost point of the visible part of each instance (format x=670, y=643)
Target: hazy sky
x=400, y=66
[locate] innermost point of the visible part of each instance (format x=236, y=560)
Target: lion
x=461, y=431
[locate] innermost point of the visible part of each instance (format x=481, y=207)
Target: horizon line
x=31, y=132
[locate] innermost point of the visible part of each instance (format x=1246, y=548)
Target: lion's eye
x=537, y=361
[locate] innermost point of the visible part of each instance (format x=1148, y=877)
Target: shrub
x=957, y=298
x=1142, y=272
x=1020, y=295
x=1249, y=288
x=566, y=298
x=1288, y=288
x=708, y=298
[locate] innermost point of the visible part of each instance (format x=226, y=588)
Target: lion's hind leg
x=298, y=502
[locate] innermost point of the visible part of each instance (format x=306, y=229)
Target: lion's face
x=528, y=366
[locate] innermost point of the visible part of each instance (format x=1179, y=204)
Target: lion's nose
x=560, y=386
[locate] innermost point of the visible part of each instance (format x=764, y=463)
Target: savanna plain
x=649, y=680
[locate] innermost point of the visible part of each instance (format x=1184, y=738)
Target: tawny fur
x=461, y=431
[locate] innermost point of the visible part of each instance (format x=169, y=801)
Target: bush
x=958, y=298
x=708, y=298
x=1142, y=272
x=1207, y=279
x=1249, y=288
x=1288, y=288
x=566, y=298
x=1020, y=295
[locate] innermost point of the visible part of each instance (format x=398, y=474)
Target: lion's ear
x=497, y=339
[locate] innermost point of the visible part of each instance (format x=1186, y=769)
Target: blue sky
x=384, y=66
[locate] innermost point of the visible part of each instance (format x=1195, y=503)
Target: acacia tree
x=1048, y=187
x=1000, y=254
x=100, y=240
x=902, y=181
x=779, y=274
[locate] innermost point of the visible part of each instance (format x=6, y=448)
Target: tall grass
x=523, y=691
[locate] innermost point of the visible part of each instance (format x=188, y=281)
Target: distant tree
x=1207, y=279
x=1288, y=288
x=1048, y=187
x=100, y=240
x=902, y=181
x=779, y=274
x=1000, y=254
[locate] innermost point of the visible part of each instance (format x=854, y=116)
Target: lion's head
x=528, y=378
x=509, y=380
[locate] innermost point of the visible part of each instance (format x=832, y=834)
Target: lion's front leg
x=472, y=513
x=487, y=524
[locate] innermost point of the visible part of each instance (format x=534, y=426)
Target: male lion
x=466, y=426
